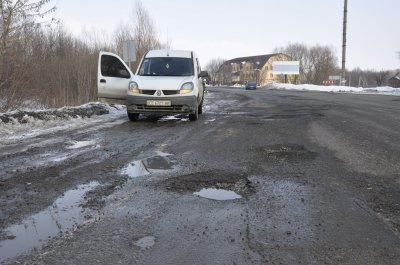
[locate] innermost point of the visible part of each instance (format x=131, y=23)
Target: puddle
x=146, y=242
x=63, y=215
x=218, y=194
x=158, y=162
x=135, y=169
x=139, y=168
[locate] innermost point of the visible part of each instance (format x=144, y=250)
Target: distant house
x=253, y=68
x=395, y=80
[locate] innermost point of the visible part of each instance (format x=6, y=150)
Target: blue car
x=250, y=85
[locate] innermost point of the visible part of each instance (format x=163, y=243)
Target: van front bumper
x=179, y=104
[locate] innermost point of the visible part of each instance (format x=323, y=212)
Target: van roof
x=169, y=53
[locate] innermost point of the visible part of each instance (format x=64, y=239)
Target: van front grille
x=175, y=108
x=147, y=92
x=170, y=92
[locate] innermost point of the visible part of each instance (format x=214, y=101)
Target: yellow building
x=253, y=68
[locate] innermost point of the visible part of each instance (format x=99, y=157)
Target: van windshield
x=167, y=66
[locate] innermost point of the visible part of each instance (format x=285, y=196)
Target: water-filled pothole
x=161, y=161
x=210, y=181
x=218, y=194
x=63, y=215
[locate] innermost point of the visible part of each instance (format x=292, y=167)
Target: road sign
x=286, y=68
x=129, y=51
x=335, y=77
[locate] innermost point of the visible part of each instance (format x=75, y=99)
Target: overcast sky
x=235, y=28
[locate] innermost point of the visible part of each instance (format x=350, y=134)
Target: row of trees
x=369, y=78
x=317, y=63
x=43, y=63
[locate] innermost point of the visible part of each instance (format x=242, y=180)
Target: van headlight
x=187, y=88
x=133, y=87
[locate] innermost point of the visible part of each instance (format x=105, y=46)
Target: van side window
x=112, y=67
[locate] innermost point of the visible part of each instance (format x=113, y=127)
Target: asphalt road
x=314, y=178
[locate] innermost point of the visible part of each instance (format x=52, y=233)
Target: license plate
x=162, y=103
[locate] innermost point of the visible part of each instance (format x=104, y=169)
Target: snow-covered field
x=338, y=89
x=25, y=124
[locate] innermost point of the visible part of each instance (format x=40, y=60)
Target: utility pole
x=343, y=76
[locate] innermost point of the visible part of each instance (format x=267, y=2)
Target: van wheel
x=133, y=116
x=200, y=108
x=195, y=116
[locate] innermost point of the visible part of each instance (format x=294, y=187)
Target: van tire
x=200, y=109
x=195, y=115
x=133, y=116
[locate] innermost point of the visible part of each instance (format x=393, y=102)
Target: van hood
x=161, y=82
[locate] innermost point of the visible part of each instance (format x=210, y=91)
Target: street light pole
x=343, y=76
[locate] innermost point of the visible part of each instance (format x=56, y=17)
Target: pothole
x=283, y=152
x=210, y=181
x=160, y=162
x=217, y=194
x=63, y=215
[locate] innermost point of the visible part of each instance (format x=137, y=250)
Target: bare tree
x=381, y=77
x=145, y=33
x=213, y=67
x=316, y=62
x=323, y=63
x=298, y=52
x=16, y=14
x=142, y=30
x=48, y=65
x=123, y=33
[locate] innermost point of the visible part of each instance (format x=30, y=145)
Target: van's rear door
x=112, y=79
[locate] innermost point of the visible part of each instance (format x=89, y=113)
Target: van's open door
x=112, y=79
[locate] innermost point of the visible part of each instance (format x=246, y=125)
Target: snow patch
x=81, y=144
x=338, y=89
x=18, y=125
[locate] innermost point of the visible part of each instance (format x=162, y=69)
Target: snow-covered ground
x=25, y=124
x=338, y=89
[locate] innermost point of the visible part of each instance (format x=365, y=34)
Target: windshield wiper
x=179, y=75
x=149, y=75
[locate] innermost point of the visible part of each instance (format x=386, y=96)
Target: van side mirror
x=203, y=74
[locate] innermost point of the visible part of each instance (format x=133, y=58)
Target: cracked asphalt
x=317, y=179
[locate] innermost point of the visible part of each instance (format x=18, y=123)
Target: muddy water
x=140, y=168
x=63, y=215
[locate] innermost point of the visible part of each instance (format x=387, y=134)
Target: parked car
x=166, y=81
x=251, y=85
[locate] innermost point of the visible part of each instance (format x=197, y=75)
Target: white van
x=167, y=81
